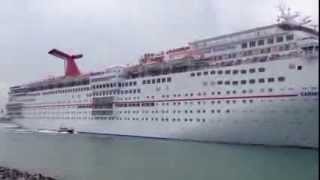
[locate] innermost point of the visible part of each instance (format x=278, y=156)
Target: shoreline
x=15, y=174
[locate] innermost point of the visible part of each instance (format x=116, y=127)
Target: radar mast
x=287, y=17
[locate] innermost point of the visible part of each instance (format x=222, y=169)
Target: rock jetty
x=14, y=174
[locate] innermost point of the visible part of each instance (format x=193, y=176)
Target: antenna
x=286, y=17
x=71, y=68
x=315, y=27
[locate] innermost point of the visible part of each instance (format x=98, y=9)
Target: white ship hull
x=258, y=86
x=280, y=129
x=282, y=117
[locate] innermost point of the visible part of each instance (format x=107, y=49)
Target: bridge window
x=252, y=70
x=243, y=71
x=289, y=37
x=270, y=40
x=252, y=81
x=244, y=45
x=270, y=79
x=261, y=42
x=279, y=39
x=252, y=43
x=234, y=82
x=281, y=79
x=261, y=80
x=261, y=69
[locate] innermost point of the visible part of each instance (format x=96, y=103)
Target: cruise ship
x=257, y=86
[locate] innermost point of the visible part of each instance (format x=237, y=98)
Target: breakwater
x=15, y=174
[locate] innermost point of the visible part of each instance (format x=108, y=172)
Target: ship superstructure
x=258, y=86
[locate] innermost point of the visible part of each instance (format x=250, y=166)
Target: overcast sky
x=113, y=32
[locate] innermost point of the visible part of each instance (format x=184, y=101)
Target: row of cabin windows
x=116, y=92
x=64, y=91
x=284, y=47
x=130, y=91
x=202, y=102
x=128, y=84
x=102, y=78
x=254, y=59
x=267, y=50
x=199, y=111
x=175, y=103
x=158, y=80
x=243, y=53
x=235, y=71
x=270, y=40
x=161, y=119
x=145, y=104
x=185, y=103
x=167, y=119
x=108, y=85
x=130, y=98
x=212, y=93
x=104, y=93
x=112, y=85
x=280, y=79
x=52, y=86
x=146, y=111
x=252, y=81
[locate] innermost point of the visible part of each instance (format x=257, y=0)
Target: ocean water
x=101, y=157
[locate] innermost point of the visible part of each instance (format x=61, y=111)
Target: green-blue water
x=96, y=157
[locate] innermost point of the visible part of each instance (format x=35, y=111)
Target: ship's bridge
x=309, y=47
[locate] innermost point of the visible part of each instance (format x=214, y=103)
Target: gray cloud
x=110, y=32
